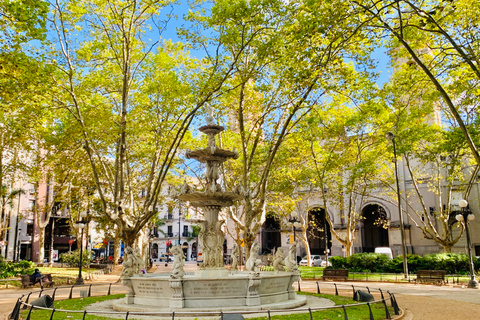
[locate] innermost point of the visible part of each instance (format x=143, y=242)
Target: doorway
x=318, y=232
x=374, y=228
x=270, y=234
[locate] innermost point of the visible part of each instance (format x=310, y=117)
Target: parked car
x=199, y=258
x=316, y=261
x=165, y=257
x=325, y=263
x=384, y=250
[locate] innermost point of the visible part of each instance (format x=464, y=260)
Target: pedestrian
x=37, y=278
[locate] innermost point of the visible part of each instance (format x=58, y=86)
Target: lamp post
x=106, y=242
x=295, y=223
x=466, y=216
x=80, y=225
x=390, y=136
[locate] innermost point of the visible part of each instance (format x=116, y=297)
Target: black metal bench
x=431, y=276
x=335, y=274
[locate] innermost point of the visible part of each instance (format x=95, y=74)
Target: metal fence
x=387, y=277
x=71, y=292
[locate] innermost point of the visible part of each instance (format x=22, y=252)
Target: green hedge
x=452, y=263
x=72, y=258
x=12, y=269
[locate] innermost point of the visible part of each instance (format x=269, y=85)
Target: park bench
x=47, y=280
x=431, y=276
x=335, y=274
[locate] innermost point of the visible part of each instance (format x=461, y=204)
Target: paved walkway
x=421, y=301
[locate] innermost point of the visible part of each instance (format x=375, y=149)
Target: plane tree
x=440, y=39
x=132, y=99
x=277, y=85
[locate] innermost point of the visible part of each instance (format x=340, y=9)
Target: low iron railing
x=23, y=303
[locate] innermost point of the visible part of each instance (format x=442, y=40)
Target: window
x=29, y=229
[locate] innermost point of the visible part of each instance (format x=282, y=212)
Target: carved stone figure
x=186, y=188
x=128, y=264
x=139, y=262
x=209, y=118
x=253, y=263
x=178, y=262
x=278, y=261
x=133, y=263
x=291, y=258
x=234, y=258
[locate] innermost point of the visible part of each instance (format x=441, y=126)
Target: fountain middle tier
x=203, y=199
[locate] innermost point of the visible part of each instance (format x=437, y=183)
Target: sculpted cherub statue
x=253, y=263
x=291, y=258
x=128, y=265
x=178, y=262
x=278, y=261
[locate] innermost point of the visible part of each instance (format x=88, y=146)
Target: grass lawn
x=354, y=313
x=63, y=276
x=317, y=272
x=72, y=304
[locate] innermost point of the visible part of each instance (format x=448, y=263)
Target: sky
x=181, y=9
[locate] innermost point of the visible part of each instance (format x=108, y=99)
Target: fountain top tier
x=213, y=157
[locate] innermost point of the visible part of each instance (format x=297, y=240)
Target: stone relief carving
x=178, y=262
x=211, y=241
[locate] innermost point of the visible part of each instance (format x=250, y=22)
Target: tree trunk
x=50, y=256
x=248, y=240
x=304, y=240
x=447, y=248
x=129, y=237
x=41, y=244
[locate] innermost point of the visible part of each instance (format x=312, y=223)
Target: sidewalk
x=420, y=301
x=8, y=297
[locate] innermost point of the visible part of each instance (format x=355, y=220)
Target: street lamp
x=80, y=225
x=390, y=136
x=295, y=224
x=466, y=216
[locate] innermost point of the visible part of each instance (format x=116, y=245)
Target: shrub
x=368, y=262
x=72, y=258
x=13, y=269
x=452, y=263
x=338, y=262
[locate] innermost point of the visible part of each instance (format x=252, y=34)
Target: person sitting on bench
x=37, y=278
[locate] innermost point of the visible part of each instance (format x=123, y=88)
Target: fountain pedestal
x=242, y=290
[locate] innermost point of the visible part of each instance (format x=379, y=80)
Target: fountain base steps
x=211, y=289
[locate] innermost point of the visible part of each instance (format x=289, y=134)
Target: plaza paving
x=420, y=301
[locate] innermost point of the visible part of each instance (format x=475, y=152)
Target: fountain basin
x=197, y=292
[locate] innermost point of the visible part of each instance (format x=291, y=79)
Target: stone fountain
x=212, y=285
